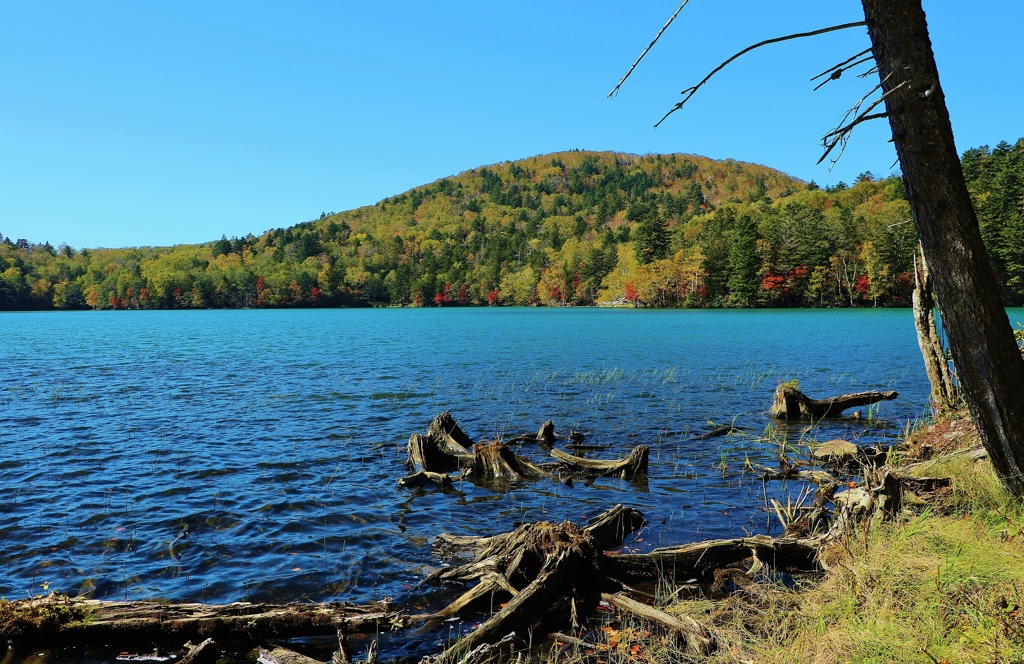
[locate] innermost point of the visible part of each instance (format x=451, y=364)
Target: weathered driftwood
x=282, y=655
x=698, y=638
x=609, y=529
x=633, y=465
x=445, y=447
x=501, y=651
x=792, y=404
x=158, y=622
x=789, y=471
x=206, y=652
x=815, y=521
x=424, y=477
x=701, y=559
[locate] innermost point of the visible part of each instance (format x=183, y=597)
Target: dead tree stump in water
x=494, y=461
x=545, y=435
x=792, y=404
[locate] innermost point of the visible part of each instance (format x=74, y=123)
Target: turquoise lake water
x=224, y=455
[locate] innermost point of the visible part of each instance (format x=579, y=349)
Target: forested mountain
x=572, y=228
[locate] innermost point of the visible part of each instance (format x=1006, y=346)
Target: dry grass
x=945, y=584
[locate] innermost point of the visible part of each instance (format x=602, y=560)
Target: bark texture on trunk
x=987, y=360
x=935, y=364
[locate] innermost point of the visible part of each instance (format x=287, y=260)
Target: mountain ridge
x=565, y=228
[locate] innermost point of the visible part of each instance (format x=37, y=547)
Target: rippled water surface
x=224, y=455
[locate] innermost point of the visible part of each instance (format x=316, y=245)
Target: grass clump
x=942, y=585
x=31, y=618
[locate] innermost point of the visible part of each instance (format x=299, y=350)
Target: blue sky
x=145, y=123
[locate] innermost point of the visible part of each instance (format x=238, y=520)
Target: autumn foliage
x=573, y=228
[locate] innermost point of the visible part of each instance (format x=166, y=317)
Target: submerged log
x=633, y=465
x=720, y=431
x=76, y=621
x=792, y=404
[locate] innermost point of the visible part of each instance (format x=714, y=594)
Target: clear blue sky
x=154, y=123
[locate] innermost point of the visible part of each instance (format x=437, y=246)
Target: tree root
x=633, y=465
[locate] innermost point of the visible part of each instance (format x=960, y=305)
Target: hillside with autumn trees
x=572, y=228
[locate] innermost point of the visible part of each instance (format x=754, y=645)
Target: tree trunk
x=935, y=364
x=987, y=359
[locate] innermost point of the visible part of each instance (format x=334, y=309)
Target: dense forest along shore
x=564, y=229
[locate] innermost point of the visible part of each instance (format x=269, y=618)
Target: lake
x=225, y=455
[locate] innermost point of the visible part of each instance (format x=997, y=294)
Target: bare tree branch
x=654, y=41
x=689, y=92
x=841, y=64
x=838, y=70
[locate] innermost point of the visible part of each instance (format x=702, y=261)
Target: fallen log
x=76, y=621
x=698, y=638
x=792, y=404
x=633, y=465
x=701, y=559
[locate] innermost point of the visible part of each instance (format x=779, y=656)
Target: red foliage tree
x=631, y=292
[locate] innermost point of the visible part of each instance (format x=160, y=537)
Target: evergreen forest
x=564, y=229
